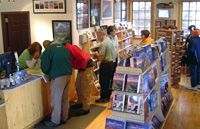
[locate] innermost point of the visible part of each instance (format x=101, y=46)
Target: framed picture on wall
x=82, y=14
x=170, y=22
x=106, y=9
x=117, y=11
x=62, y=31
x=95, y=15
x=158, y=23
x=49, y=6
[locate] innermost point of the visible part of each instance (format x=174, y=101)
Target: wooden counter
x=28, y=104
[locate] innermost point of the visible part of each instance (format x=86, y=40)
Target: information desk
x=27, y=104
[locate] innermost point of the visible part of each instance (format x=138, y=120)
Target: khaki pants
x=60, y=98
x=84, y=83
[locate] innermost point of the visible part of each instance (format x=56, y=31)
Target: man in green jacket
x=56, y=63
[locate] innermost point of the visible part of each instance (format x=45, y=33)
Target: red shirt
x=79, y=58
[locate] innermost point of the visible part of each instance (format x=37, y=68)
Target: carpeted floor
x=76, y=122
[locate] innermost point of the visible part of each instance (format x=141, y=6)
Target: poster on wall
x=82, y=14
x=62, y=31
x=95, y=15
x=49, y=6
x=106, y=9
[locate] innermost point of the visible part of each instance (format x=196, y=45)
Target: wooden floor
x=185, y=112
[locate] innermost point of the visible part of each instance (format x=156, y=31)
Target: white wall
x=41, y=24
x=173, y=11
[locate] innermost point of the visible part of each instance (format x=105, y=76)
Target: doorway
x=16, y=32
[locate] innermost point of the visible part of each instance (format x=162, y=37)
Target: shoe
x=82, y=112
x=63, y=122
x=50, y=124
x=101, y=100
x=192, y=88
x=77, y=106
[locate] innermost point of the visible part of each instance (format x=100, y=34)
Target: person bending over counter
x=84, y=81
x=56, y=63
x=146, y=39
x=30, y=57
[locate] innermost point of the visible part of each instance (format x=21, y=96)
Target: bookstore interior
x=151, y=86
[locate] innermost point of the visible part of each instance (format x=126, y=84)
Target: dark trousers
x=105, y=73
x=195, y=74
x=113, y=71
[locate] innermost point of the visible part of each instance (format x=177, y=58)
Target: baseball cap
x=192, y=27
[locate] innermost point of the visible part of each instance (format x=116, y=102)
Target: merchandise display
x=150, y=103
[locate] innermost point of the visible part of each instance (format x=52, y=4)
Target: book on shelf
x=112, y=123
x=146, y=110
x=164, y=84
x=136, y=125
x=118, y=102
x=154, y=99
x=151, y=78
x=125, y=61
x=133, y=104
x=148, y=52
x=138, y=51
x=119, y=81
x=155, y=123
x=163, y=46
x=145, y=85
x=97, y=85
x=154, y=67
x=133, y=83
x=94, y=35
x=139, y=62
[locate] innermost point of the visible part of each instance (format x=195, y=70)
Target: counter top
x=2, y=102
x=30, y=79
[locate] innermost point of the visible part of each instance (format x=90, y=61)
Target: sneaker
x=50, y=124
x=82, y=112
x=101, y=100
x=77, y=105
x=192, y=88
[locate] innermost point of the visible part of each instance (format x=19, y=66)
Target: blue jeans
x=195, y=74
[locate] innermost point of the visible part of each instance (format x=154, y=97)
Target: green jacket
x=56, y=61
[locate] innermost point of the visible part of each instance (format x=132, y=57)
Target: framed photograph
x=95, y=15
x=117, y=11
x=106, y=9
x=82, y=14
x=62, y=31
x=170, y=22
x=49, y=6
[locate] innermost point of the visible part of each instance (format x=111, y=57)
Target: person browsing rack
x=106, y=55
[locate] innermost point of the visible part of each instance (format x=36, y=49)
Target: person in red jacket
x=84, y=81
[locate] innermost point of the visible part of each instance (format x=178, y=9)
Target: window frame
x=180, y=6
x=152, y=14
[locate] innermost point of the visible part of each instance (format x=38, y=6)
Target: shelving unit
x=174, y=37
x=157, y=110
x=125, y=39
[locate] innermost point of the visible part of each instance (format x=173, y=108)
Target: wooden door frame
x=4, y=30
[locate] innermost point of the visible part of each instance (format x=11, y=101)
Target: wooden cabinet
x=175, y=39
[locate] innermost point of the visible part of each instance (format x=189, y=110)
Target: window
x=141, y=16
x=190, y=15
